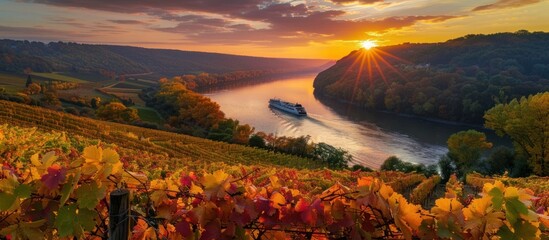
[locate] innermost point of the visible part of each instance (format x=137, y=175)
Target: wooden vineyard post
x=119, y=222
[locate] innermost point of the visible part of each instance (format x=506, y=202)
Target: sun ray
x=393, y=56
x=370, y=74
x=350, y=68
x=378, y=68
x=389, y=65
x=358, y=75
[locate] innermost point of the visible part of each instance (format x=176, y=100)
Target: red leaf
x=184, y=228
x=56, y=175
x=301, y=205
x=212, y=231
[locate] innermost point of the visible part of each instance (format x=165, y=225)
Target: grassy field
x=59, y=77
x=91, y=77
x=12, y=82
x=13, y=79
x=149, y=114
x=11, y=88
x=129, y=85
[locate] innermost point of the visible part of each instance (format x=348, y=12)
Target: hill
x=144, y=139
x=105, y=59
x=457, y=80
x=58, y=184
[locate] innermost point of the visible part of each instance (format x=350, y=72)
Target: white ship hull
x=292, y=108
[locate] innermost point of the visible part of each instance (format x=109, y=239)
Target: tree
x=33, y=88
x=242, y=134
x=466, y=147
x=501, y=160
x=29, y=81
x=336, y=158
x=526, y=121
x=392, y=163
x=115, y=111
x=95, y=102
x=256, y=141
x=50, y=97
x=447, y=167
x=223, y=131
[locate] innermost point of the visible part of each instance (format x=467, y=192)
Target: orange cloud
x=505, y=4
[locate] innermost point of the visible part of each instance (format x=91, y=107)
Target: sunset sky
x=298, y=29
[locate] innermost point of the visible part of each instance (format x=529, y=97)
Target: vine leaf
x=215, y=184
x=90, y=194
x=71, y=221
x=12, y=192
x=69, y=187
x=24, y=230
x=55, y=176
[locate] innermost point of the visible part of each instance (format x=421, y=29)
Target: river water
x=369, y=136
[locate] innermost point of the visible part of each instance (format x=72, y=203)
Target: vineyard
x=539, y=185
x=154, y=141
x=57, y=185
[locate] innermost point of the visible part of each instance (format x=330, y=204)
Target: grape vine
x=59, y=188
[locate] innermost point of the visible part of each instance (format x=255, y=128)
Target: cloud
x=505, y=4
x=40, y=33
x=364, y=2
x=316, y=27
x=125, y=21
x=251, y=21
x=140, y=6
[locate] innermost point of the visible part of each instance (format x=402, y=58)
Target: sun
x=368, y=44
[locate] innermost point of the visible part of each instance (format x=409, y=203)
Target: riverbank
x=324, y=98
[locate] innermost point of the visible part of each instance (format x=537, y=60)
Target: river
x=369, y=136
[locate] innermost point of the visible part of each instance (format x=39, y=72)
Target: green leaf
x=22, y=191
x=90, y=194
x=513, y=208
x=497, y=198
x=69, y=187
x=524, y=230
x=71, y=221
x=7, y=201
x=505, y=233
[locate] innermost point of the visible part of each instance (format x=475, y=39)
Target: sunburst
x=371, y=59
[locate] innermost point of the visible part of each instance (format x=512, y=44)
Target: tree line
x=191, y=113
x=525, y=121
x=457, y=80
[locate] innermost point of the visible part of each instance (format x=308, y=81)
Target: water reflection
x=370, y=136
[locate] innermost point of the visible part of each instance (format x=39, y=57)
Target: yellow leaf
x=215, y=179
x=8, y=184
x=172, y=188
x=386, y=191
x=488, y=186
x=89, y=169
x=444, y=206
x=92, y=154
x=48, y=159
x=149, y=234
x=133, y=179
x=35, y=161
x=278, y=200
x=408, y=215
x=275, y=183
x=110, y=156
x=365, y=181
x=195, y=189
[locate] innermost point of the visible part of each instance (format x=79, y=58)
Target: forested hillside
x=17, y=56
x=456, y=80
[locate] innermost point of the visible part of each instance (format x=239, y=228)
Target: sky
x=326, y=29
